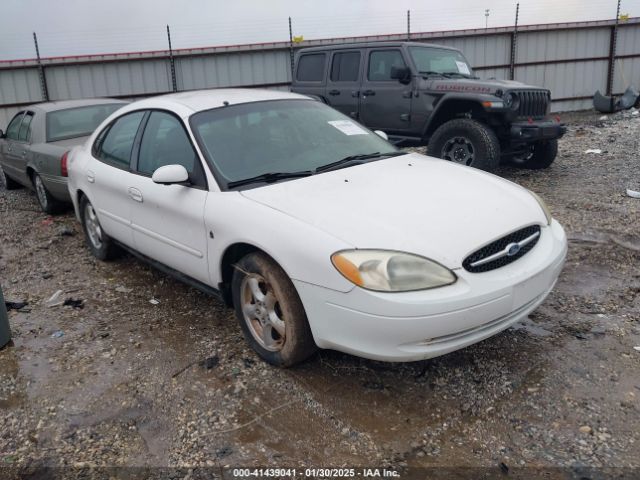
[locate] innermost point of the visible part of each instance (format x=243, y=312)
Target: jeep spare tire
x=467, y=142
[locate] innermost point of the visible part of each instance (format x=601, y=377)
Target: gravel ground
x=124, y=382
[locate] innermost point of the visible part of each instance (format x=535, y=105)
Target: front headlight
x=543, y=206
x=390, y=271
x=511, y=100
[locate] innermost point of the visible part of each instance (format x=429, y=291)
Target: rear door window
x=115, y=145
x=311, y=67
x=345, y=67
x=14, y=127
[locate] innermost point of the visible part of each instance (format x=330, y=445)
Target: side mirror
x=170, y=174
x=381, y=134
x=402, y=74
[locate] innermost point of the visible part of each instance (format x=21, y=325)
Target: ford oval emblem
x=513, y=249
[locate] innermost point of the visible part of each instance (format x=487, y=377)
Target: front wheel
x=467, y=142
x=537, y=156
x=7, y=182
x=270, y=311
x=100, y=244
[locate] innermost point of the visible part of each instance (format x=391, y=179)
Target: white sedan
x=316, y=230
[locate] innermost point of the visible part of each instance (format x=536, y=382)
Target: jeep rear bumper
x=526, y=132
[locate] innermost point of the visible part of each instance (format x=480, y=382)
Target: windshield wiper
x=431, y=72
x=269, y=178
x=463, y=75
x=343, y=162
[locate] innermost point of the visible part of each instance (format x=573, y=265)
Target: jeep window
x=311, y=68
x=381, y=62
x=345, y=67
x=440, y=60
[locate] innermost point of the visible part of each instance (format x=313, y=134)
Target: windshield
x=440, y=60
x=251, y=139
x=77, y=122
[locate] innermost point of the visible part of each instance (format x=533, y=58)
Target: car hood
x=469, y=85
x=410, y=203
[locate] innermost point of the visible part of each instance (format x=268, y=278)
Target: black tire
x=104, y=249
x=540, y=155
x=48, y=204
x=264, y=273
x=7, y=182
x=476, y=144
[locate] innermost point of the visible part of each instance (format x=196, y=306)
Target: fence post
x=291, y=47
x=514, y=46
x=41, y=74
x=612, y=55
x=408, y=25
x=174, y=83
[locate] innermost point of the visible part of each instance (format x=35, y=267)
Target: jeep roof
x=344, y=46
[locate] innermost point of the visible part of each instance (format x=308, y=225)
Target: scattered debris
x=210, y=362
x=70, y=302
x=633, y=193
x=57, y=334
x=504, y=468
x=123, y=289
x=56, y=299
x=154, y=301
x=15, y=305
x=65, y=232
x=605, y=104
x=585, y=429
x=637, y=349
x=594, y=150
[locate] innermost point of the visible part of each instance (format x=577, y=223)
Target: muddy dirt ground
x=126, y=382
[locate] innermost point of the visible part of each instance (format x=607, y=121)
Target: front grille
x=500, y=245
x=533, y=103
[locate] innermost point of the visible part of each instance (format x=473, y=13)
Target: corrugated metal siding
x=19, y=86
x=269, y=64
x=109, y=79
x=251, y=68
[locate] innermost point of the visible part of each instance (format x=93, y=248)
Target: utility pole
x=291, y=47
x=612, y=55
x=408, y=25
x=486, y=18
x=43, y=79
x=172, y=63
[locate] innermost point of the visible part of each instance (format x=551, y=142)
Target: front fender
x=461, y=102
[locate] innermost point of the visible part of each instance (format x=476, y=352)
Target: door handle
x=368, y=93
x=135, y=194
x=355, y=93
x=91, y=177
x=334, y=92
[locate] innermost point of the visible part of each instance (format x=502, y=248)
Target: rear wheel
x=100, y=244
x=270, y=311
x=48, y=204
x=537, y=155
x=8, y=183
x=467, y=142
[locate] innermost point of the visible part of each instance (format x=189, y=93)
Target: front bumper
x=418, y=325
x=526, y=132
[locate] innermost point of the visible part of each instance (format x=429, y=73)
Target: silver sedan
x=34, y=147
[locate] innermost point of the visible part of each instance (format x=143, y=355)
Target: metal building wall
x=569, y=59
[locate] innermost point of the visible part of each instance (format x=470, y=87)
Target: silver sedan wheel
x=91, y=223
x=41, y=192
x=262, y=313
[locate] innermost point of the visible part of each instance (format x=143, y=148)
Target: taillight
x=63, y=165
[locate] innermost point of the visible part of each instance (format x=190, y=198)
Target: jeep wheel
x=467, y=142
x=537, y=156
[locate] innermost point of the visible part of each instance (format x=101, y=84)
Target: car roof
x=64, y=104
x=342, y=46
x=187, y=103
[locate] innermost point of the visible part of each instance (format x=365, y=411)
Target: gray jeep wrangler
x=422, y=94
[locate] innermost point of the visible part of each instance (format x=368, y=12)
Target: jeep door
x=385, y=103
x=343, y=82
